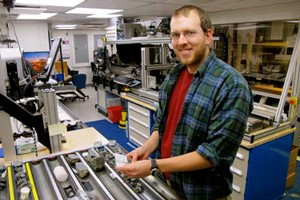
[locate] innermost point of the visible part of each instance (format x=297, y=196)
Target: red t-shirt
x=174, y=109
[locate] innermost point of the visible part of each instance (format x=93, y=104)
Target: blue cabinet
x=260, y=172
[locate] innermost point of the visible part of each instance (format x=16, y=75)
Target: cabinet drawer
x=140, y=126
x=139, y=112
x=238, y=188
x=240, y=164
x=236, y=195
x=136, y=136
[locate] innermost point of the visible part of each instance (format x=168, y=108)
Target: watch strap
x=154, y=168
x=153, y=164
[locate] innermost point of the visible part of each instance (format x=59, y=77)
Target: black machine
x=33, y=121
x=12, y=73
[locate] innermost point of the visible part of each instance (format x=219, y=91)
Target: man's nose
x=182, y=39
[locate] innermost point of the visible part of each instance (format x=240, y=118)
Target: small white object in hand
x=120, y=159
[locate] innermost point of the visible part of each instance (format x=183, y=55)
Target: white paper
x=120, y=159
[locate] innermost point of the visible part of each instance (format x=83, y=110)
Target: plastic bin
x=114, y=113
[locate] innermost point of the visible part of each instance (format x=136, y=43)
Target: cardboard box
x=24, y=145
x=290, y=179
x=293, y=160
x=291, y=174
x=25, y=148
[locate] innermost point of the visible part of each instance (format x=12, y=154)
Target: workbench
x=259, y=169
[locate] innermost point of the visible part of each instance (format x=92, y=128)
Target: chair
x=94, y=67
x=79, y=81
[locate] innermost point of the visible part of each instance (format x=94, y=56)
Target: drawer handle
x=136, y=141
x=138, y=111
x=236, y=171
x=236, y=188
x=240, y=156
x=138, y=121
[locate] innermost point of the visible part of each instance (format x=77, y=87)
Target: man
x=203, y=108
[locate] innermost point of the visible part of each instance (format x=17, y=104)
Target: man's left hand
x=138, y=169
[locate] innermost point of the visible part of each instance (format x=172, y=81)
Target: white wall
x=34, y=36
x=31, y=36
x=69, y=35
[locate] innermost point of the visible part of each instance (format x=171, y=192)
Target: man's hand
x=137, y=154
x=138, y=169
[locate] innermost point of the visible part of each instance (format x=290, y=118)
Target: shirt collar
x=203, y=67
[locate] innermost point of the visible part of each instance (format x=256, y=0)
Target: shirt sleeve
x=228, y=124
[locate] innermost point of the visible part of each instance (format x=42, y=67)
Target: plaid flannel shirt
x=213, y=122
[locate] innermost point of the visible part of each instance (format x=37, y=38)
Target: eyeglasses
x=188, y=34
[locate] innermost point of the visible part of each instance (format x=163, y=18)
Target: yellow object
x=122, y=122
x=10, y=183
x=58, y=68
x=127, y=89
x=293, y=100
x=124, y=115
x=31, y=181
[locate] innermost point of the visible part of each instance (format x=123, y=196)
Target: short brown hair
x=203, y=16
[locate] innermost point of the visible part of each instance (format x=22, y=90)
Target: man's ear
x=208, y=36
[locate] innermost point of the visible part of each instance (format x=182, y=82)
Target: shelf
x=272, y=44
x=142, y=40
x=268, y=44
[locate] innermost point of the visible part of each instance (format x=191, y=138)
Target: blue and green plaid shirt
x=213, y=123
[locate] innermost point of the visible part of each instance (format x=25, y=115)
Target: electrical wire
x=2, y=35
x=26, y=72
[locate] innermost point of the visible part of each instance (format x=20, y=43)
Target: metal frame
x=292, y=74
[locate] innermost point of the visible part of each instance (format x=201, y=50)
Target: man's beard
x=196, y=59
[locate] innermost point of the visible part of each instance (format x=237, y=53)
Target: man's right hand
x=138, y=154
x=144, y=151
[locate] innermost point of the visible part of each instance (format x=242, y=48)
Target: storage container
x=114, y=113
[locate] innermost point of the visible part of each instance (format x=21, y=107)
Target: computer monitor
x=38, y=59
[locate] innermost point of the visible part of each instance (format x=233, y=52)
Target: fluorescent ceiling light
x=293, y=21
x=111, y=28
x=91, y=11
x=37, y=17
x=66, y=26
x=30, y=9
x=103, y=16
x=63, y=3
x=251, y=27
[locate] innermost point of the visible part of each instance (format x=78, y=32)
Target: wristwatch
x=154, y=167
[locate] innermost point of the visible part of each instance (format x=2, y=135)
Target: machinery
x=84, y=174
x=11, y=72
x=39, y=122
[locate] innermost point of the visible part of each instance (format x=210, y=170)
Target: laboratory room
x=149, y=99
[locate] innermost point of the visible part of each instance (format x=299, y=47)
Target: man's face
x=189, y=41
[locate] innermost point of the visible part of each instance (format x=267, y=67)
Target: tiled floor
x=85, y=110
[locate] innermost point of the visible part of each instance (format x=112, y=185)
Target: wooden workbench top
x=268, y=138
x=75, y=140
x=134, y=100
